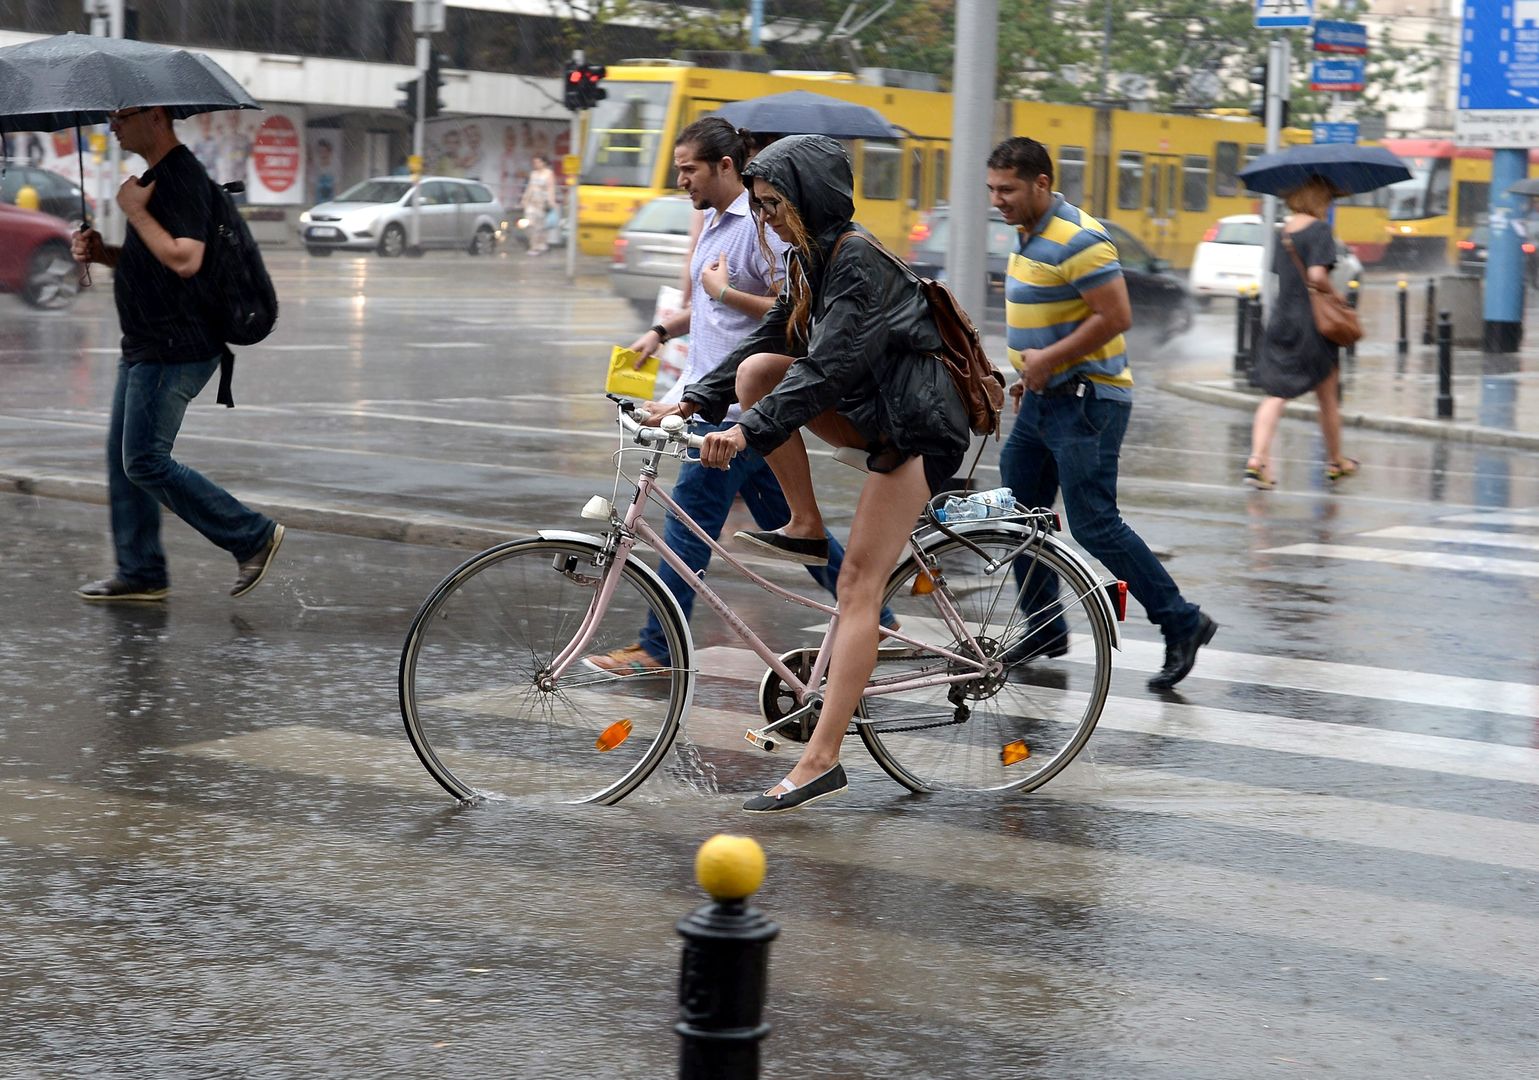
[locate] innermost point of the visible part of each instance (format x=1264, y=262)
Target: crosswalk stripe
x=969, y=984
x=1471, y=537
x=1430, y=560
x=1528, y=518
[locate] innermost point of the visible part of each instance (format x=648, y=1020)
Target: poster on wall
x=323, y=163
x=263, y=150
x=497, y=150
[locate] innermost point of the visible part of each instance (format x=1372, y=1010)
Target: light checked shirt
x=715, y=329
x=1053, y=266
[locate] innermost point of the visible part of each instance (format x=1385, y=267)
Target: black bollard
x=1241, y=323
x=1429, y=323
x=1354, y=288
x=724, y=972
x=1253, y=336
x=1403, y=345
x=1445, y=402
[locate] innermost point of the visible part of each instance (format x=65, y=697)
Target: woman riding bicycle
x=849, y=351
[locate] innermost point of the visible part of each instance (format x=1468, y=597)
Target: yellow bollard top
x=730, y=867
x=1353, y=284
x=1400, y=284
x=27, y=198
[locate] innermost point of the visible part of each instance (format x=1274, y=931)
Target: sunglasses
x=118, y=117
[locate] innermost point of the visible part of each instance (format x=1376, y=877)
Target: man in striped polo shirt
x=1066, y=308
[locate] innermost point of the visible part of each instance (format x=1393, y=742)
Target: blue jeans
x=1072, y=443
x=147, y=409
x=706, y=495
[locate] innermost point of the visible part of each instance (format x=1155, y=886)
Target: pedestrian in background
x=1066, y=311
x=169, y=354
x=539, y=200
x=1295, y=357
x=733, y=283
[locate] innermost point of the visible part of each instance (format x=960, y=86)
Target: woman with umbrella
x=1295, y=357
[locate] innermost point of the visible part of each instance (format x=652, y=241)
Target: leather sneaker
x=254, y=569
x=1181, y=655
x=115, y=588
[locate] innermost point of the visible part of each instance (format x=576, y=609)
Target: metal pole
x=1254, y=348
x=574, y=147
x=419, y=135
x=1278, y=67
x=1503, y=305
x=116, y=227
x=1352, y=299
x=1241, y=323
x=755, y=22
x=1445, y=402
x=1403, y=343
x=1429, y=318
x=972, y=131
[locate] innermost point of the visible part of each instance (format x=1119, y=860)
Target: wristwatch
x=661, y=331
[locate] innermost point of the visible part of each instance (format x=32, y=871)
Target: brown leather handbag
x=1336, y=320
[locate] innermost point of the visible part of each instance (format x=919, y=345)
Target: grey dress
x=1295, y=357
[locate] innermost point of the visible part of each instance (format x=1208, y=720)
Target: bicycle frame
x=623, y=536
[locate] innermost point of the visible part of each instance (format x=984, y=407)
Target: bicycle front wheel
x=1013, y=731
x=478, y=706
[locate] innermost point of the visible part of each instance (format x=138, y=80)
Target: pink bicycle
x=994, y=680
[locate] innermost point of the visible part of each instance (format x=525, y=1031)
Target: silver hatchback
x=376, y=215
x=650, y=251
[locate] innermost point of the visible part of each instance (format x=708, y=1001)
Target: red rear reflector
x=919, y=233
x=1466, y=245
x=618, y=255
x=1117, y=593
x=1207, y=237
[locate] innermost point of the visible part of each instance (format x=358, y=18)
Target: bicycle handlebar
x=672, y=429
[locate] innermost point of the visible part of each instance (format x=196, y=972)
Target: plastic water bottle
x=996, y=502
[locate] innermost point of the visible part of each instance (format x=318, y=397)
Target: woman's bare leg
x=888, y=508
x=1329, y=397
x=1263, y=429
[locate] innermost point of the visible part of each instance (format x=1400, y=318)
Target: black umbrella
x=1348, y=168
x=74, y=79
x=801, y=112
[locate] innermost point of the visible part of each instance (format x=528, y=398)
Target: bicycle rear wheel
x=471, y=669
x=1012, y=732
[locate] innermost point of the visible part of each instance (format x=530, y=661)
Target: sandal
x=1258, y=476
x=1340, y=470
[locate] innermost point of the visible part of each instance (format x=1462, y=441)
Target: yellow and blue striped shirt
x=1052, y=267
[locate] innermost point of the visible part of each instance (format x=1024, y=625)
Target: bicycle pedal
x=768, y=743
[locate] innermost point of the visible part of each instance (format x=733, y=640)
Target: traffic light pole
x=418, y=135
x=1278, y=70
x=574, y=147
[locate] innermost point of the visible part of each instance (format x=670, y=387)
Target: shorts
x=939, y=469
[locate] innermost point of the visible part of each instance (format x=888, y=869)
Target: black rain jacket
x=870, y=351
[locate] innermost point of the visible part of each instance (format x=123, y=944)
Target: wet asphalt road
x=218, y=855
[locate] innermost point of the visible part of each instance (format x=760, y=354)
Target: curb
x=424, y=530
x=1214, y=394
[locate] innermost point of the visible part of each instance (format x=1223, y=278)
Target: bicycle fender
x=646, y=571
x=1069, y=554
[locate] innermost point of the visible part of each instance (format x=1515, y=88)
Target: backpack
x=976, y=378
x=237, y=294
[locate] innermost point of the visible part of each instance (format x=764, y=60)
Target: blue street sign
x=1498, y=73
x=1280, y=13
x=1335, y=133
x=1341, y=37
x=1336, y=74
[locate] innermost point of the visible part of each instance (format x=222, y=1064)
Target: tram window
x=1474, y=201
x=1130, y=180
x=625, y=135
x=942, y=176
x=1194, y=182
x=881, y=172
x=1442, y=182
x=915, y=178
x=1253, y=151
x=1071, y=174
x=1226, y=164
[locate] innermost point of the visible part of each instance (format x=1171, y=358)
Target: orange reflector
x=612, y=736
x=924, y=584
x=1013, y=752
x=1117, y=592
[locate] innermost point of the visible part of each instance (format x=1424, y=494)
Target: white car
x=376, y=215
x=1228, y=261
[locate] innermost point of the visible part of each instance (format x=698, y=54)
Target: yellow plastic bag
x=626, y=379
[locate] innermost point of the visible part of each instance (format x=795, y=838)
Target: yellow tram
x=1165, y=178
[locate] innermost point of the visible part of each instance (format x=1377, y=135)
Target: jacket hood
x=814, y=173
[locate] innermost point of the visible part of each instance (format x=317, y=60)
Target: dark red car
x=34, y=258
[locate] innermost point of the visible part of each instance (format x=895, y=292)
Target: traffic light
x=572, y=84
x=1258, y=77
x=408, y=104
x=592, y=92
x=435, y=84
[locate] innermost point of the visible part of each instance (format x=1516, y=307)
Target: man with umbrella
x=170, y=350
x=169, y=354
